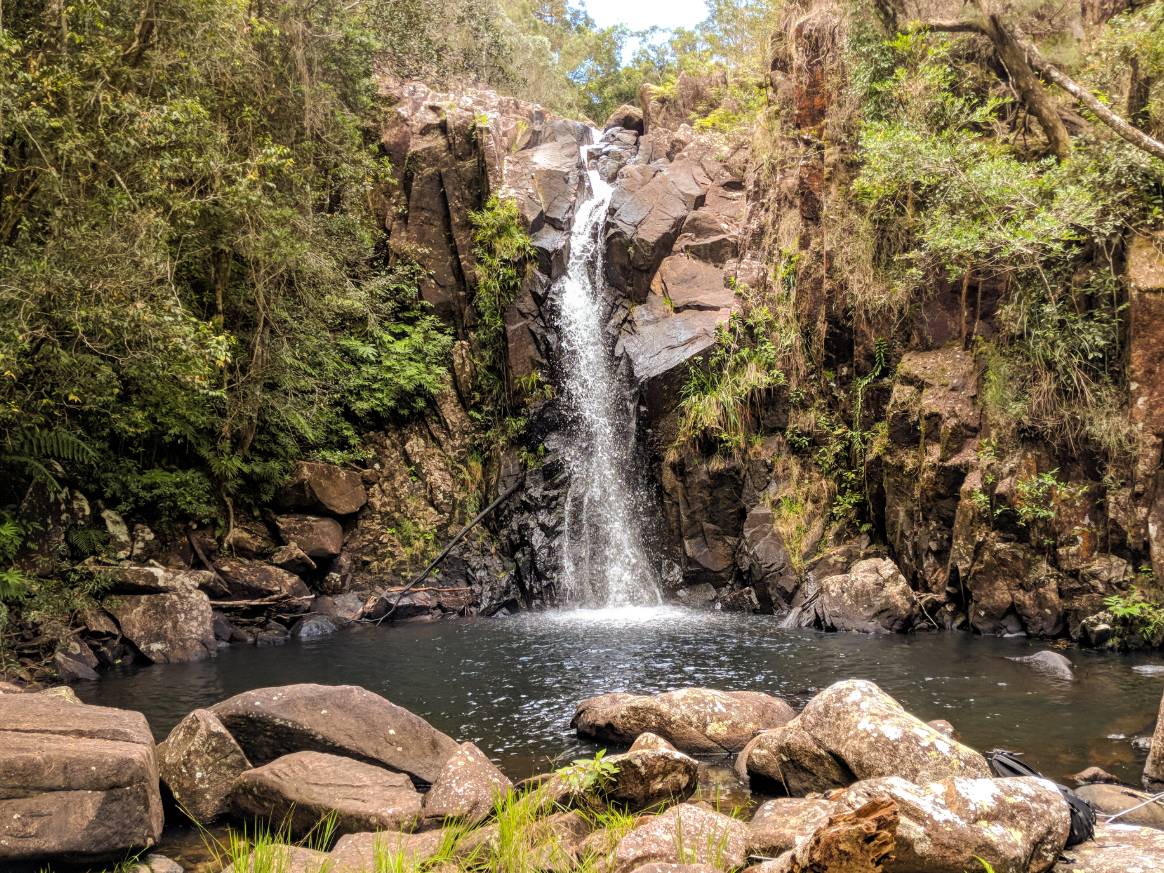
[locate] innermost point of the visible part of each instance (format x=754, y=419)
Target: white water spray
x=605, y=563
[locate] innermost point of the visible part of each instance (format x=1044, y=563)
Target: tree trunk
x=862, y=841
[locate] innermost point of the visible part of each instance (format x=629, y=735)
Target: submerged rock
x=342, y=719
x=467, y=788
x=1017, y=825
x=199, y=762
x=301, y=788
x=77, y=782
x=873, y=735
x=1051, y=663
x=699, y=720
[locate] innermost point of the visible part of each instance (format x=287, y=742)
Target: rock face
x=166, y=628
x=341, y=719
x=302, y=787
x=698, y=720
x=873, y=597
x=467, y=788
x=870, y=732
x=649, y=776
x=1017, y=825
x=1154, y=766
x=1117, y=848
x=324, y=488
x=684, y=834
x=77, y=782
x=199, y=762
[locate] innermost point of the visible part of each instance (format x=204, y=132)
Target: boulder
x=873, y=597
x=1017, y=825
x=1052, y=664
x=319, y=538
x=1116, y=848
x=1090, y=775
x=873, y=735
x=1112, y=799
x=166, y=628
x=699, y=720
x=75, y=661
x=303, y=787
x=357, y=853
x=324, y=488
x=684, y=834
x=779, y=824
x=152, y=580
x=627, y=117
x=255, y=580
x=648, y=741
x=789, y=760
x=77, y=782
x=467, y=788
x=650, y=776
x=342, y=719
x=155, y=863
x=292, y=559
x=199, y=762
x=1154, y=767
x=283, y=859
x=313, y=627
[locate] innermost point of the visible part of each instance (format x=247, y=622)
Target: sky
x=641, y=14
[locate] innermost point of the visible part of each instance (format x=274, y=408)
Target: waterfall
x=604, y=562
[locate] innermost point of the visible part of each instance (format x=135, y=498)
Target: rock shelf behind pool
x=694, y=720
x=76, y=781
x=340, y=719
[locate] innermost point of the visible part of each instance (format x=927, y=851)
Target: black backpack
x=1005, y=764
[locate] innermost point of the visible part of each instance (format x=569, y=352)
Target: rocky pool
x=511, y=684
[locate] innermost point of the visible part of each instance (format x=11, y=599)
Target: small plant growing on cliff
x=585, y=775
x=1135, y=615
x=1036, y=496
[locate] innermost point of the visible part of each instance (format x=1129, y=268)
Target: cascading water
x=605, y=562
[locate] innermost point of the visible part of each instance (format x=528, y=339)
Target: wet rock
x=357, y=853
x=77, y=782
x=1117, y=848
x=699, y=596
x=1112, y=799
x=302, y=787
x=292, y=559
x=1016, y=825
x=684, y=834
x=1153, y=778
x=342, y=719
x=320, y=538
x=789, y=760
x=699, y=720
x=943, y=727
x=286, y=859
x=324, y=488
x=1050, y=663
x=650, y=776
x=313, y=627
x=627, y=117
x=166, y=628
x=249, y=580
x=873, y=735
x=1092, y=775
x=341, y=608
x=743, y=600
x=873, y=597
x=467, y=787
x=199, y=762
x=782, y=822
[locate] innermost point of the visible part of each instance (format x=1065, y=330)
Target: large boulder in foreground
x=342, y=719
x=649, y=776
x=199, y=762
x=303, y=787
x=697, y=720
x=873, y=735
x=873, y=597
x=166, y=628
x=1017, y=825
x=467, y=788
x=788, y=760
x=77, y=782
x=1116, y=848
x=684, y=834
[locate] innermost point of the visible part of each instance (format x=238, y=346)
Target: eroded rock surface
x=199, y=762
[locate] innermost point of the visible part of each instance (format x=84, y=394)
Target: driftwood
x=861, y=841
x=261, y=601
x=1023, y=61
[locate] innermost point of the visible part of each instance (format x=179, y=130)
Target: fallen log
x=861, y=841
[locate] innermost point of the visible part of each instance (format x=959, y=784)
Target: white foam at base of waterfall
x=605, y=562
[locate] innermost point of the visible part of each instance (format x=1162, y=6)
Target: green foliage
x=1036, y=497
x=1136, y=616
x=587, y=775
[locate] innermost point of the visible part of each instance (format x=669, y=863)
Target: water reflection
x=511, y=684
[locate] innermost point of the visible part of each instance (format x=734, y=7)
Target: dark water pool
x=511, y=684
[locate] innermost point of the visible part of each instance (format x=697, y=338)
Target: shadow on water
x=511, y=684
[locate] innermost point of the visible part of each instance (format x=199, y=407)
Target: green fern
x=31, y=450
